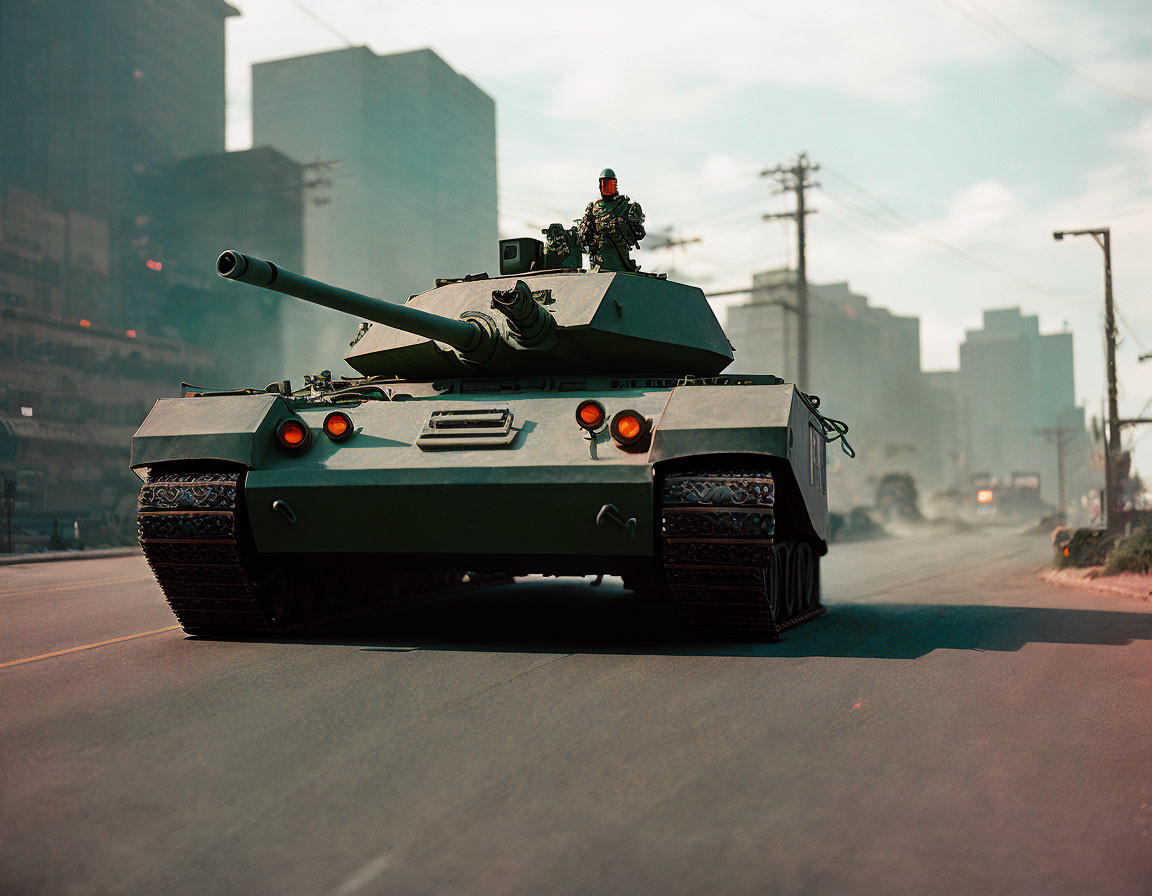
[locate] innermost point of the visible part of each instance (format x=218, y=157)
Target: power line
x=722, y=212
x=304, y=9
x=1040, y=51
x=1131, y=331
x=956, y=250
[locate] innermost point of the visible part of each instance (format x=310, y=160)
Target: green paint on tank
x=467, y=455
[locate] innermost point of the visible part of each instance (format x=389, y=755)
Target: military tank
x=546, y=420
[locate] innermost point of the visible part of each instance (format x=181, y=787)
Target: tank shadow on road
x=568, y=617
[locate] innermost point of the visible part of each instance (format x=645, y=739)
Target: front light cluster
x=294, y=437
x=628, y=428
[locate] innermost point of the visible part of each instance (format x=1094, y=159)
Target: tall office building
x=250, y=200
x=1013, y=381
x=864, y=362
x=97, y=99
x=413, y=192
x=93, y=95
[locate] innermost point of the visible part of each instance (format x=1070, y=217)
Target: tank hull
x=544, y=496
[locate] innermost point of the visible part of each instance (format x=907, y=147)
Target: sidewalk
x=1125, y=584
x=51, y=556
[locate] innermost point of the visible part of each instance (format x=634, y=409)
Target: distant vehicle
x=897, y=497
x=548, y=420
x=1015, y=501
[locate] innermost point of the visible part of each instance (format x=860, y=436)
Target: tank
x=543, y=420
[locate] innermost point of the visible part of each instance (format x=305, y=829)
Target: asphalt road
x=952, y=725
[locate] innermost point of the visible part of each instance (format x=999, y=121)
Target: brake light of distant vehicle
x=984, y=496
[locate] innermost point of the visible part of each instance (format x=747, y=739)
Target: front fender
x=237, y=429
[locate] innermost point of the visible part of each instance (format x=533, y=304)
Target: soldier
x=611, y=226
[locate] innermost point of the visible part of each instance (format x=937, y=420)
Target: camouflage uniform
x=561, y=248
x=610, y=227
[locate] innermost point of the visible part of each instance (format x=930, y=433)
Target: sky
x=953, y=138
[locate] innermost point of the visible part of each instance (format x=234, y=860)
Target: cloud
x=651, y=60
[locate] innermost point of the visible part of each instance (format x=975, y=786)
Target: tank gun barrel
x=467, y=336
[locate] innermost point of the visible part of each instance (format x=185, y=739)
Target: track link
x=730, y=578
x=189, y=532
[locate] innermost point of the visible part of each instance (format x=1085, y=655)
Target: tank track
x=188, y=531
x=729, y=576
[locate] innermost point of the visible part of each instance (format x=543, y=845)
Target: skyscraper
x=1015, y=380
x=414, y=188
x=93, y=95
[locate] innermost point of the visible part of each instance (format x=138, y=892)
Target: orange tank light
x=629, y=427
x=154, y=265
x=131, y=334
x=84, y=322
x=294, y=437
x=590, y=415
x=338, y=426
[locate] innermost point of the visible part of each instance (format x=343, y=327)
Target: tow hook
x=610, y=513
x=283, y=508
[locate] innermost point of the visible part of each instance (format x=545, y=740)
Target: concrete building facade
x=94, y=94
x=1013, y=382
x=100, y=100
x=252, y=201
x=864, y=362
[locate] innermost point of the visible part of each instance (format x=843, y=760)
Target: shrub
x=1131, y=554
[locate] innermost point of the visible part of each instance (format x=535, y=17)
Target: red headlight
x=590, y=415
x=338, y=426
x=629, y=428
x=294, y=437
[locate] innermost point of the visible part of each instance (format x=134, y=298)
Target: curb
x=1125, y=584
x=53, y=556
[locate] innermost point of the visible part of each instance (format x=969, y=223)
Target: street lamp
x=1103, y=238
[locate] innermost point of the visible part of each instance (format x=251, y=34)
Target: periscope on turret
x=546, y=419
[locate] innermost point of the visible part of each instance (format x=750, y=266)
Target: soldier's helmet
x=607, y=182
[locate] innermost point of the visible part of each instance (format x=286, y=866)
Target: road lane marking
x=48, y=656
x=365, y=876
x=73, y=587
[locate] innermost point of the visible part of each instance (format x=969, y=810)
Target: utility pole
x=1059, y=435
x=796, y=179
x=1103, y=238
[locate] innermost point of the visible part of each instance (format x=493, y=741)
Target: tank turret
x=524, y=322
